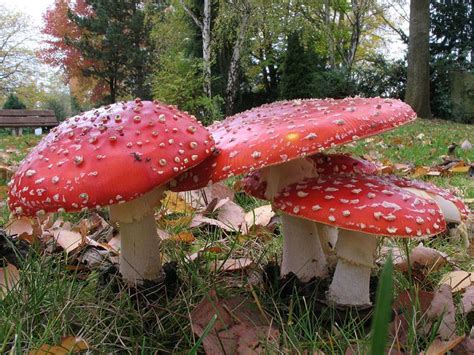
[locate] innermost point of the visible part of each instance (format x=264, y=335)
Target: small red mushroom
x=361, y=207
x=122, y=156
x=276, y=138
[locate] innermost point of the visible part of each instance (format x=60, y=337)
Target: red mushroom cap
x=432, y=190
x=369, y=204
x=342, y=164
x=109, y=155
x=278, y=132
x=326, y=164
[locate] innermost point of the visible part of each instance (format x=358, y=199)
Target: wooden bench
x=19, y=119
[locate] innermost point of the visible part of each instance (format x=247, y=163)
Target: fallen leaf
x=260, y=216
x=201, y=198
x=442, y=307
x=420, y=171
x=184, y=237
x=229, y=217
x=467, y=300
x=440, y=347
x=240, y=327
x=422, y=257
x=25, y=228
x=174, y=203
x=9, y=278
x=68, y=240
x=68, y=345
x=458, y=280
x=232, y=264
x=5, y=172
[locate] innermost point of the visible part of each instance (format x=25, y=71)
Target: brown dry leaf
x=404, y=307
x=232, y=264
x=467, y=345
x=68, y=345
x=467, y=300
x=68, y=240
x=239, y=328
x=25, y=228
x=420, y=171
x=9, y=278
x=203, y=197
x=114, y=243
x=184, y=237
x=229, y=217
x=440, y=347
x=260, y=216
x=5, y=172
x=458, y=280
x=442, y=306
x=422, y=257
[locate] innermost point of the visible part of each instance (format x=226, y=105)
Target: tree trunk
x=233, y=74
x=418, y=76
x=329, y=29
x=205, y=27
x=206, y=47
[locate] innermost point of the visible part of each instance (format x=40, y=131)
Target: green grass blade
x=383, y=309
x=208, y=328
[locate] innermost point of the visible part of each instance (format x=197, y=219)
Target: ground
x=57, y=296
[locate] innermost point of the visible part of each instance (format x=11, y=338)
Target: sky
x=34, y=9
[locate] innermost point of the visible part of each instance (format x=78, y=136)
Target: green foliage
x=179, y=82
x=13, y=102
x=297, y=78
x=116, y=36
x=61, y=111
x=381, y=77
x=450, y=47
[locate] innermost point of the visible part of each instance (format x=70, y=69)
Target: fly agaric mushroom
x=121, y=155
x=361, y=207
x=277, y=137
x=325, y=164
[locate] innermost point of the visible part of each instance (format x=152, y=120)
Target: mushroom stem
x=140, y=251
x=350, y=285
x=140, y=243
x=303, y=254
x=302, y=251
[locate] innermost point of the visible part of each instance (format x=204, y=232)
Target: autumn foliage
x=60, y=30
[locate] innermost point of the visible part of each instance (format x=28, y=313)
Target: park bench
x=19, y=119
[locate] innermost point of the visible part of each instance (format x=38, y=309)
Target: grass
x=53, y=301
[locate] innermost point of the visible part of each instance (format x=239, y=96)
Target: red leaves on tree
x=58, y=52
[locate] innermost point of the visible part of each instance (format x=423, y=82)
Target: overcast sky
x=33, y=8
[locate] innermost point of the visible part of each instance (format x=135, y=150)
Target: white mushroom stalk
x=356, y=255
x=139, y=241
x=303, y=254
x=362, y=207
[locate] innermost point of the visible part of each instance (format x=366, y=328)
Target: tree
x=204, y=26
x=13, y=103
x=418, y=74
x=58, y=51
x=115, y=39
x=15, y=56
x=297, y=77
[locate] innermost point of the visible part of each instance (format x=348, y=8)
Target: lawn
x=62, y=294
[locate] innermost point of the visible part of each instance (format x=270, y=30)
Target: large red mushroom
x=122, y=156
x=276, y=138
